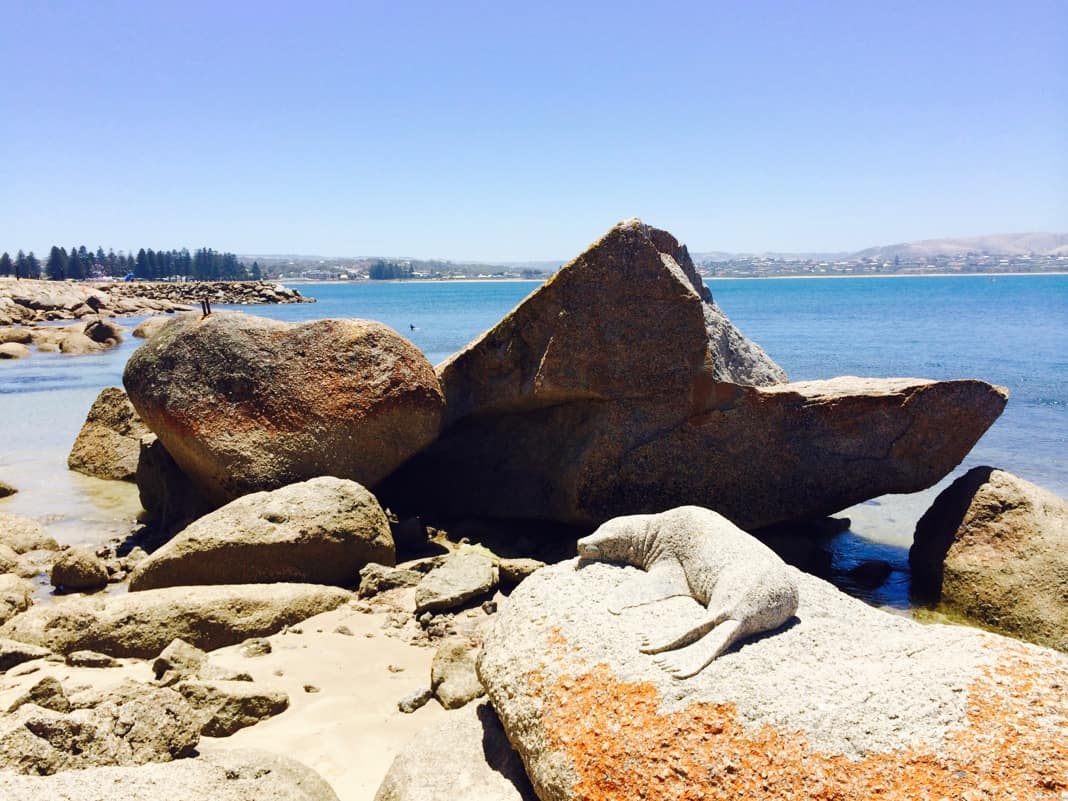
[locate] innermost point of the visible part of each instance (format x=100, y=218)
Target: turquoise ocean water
x=1009, y=330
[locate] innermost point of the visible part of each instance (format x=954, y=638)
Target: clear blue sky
x=515, y=131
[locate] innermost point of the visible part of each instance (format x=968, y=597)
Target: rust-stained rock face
x=245, y=404
x=620, y=388
x=993, y=549
x=846, y=702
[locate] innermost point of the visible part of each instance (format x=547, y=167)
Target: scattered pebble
x=489, y=607
x=279, y=673
x=257, y=646
x=310, y=688
x=395, y=668
x=343, y=630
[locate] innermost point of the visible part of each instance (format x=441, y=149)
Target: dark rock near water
x=245, y=404
x=170, y=499
x=993, y=550
x=619, y=387
x=109, y=444
x=79, y=570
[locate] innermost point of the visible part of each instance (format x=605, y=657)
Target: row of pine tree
x=204, y=264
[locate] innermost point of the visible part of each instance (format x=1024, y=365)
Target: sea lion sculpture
x=746, y=588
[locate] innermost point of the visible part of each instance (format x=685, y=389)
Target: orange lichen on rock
x=1014, y=745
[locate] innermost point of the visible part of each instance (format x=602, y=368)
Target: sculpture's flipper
x=665, y=579
x=692, y=659
x=685, y=637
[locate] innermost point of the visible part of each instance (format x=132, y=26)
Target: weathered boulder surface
x=239, y=775
x=844, y=702
x=993, y=549
x=142, y=624
x=79, y=570
x=320, y=531
x=465, y=756
x=135, y=724
x=109, y=444
x=619, y=387
x=245, y=404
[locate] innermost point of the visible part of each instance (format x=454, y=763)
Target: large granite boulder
x=245, y=404
x=993, y=550
x=132, y=725
x=464, y=756
x=109, y=444
x=844, y=701
x=619, y=387
x=240, y=775
x=320, y=531
x=141, y=624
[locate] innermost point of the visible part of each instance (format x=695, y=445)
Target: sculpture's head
x=619, y=540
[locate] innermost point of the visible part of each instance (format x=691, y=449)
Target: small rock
x=177, y=662
x=463, y=577
x=91, y=659
x=79, y=570
x=257, y=646
x=870, y=574
x=394, y=668
x=13, y=653
x=415, y=700
x=343, y=629
x=228, y=706
x=16, y=594
x=6, y=489
x=13, y=350
x=376, y=578
x=310, y=688
x=47, y=693
x=489, y=607
x=513, y=571
x=452, y=674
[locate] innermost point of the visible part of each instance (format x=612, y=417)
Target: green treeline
x=382, y=270
x=204, y=264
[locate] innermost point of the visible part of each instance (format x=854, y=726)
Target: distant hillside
x=1040, y=244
